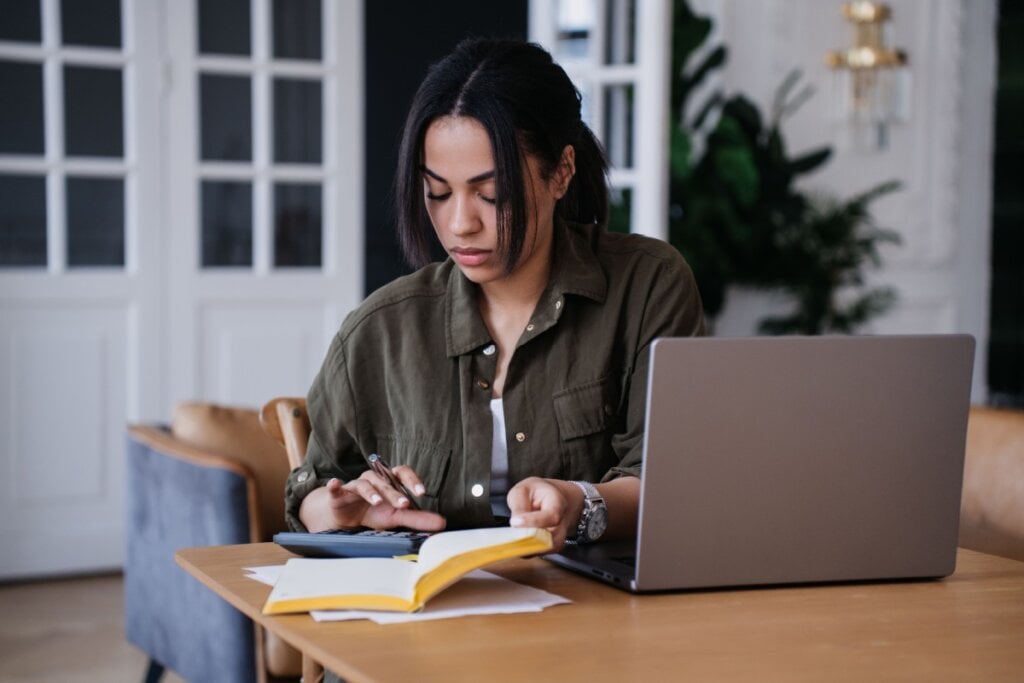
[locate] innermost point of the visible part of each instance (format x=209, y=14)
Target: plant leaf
x=810, y=161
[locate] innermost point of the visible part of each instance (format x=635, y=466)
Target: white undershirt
x=499, y=460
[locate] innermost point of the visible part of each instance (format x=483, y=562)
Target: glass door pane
x=226, y=224
x=22, y=220
x=298, y=121
x=21, y=115
x=620, y=27
x=95, y=23
x=618, y=124
x=298, y=224
x=22, y=21
x=93, y=112
x=261, y=133
x=95, y=222
x=62, y=130
x=225, y=110
x=297, y=29
x=224, y=27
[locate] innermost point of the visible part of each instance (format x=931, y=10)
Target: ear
x=564, y=172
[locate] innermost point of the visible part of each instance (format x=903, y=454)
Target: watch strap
x=592, y=499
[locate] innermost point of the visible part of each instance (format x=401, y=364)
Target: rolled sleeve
x=300, y=482
x=623, y=470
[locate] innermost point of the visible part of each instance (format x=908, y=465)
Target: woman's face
x=459, y=190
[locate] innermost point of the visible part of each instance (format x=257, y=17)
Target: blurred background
x=193, y=195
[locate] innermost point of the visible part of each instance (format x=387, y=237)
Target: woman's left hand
x=556, y=505
x=549, y=504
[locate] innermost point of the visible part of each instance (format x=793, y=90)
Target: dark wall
x=403, y=37
x=1006, y=333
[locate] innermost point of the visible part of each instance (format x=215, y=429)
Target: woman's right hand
x=369, y=501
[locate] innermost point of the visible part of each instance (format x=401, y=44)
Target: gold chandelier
x=874, y=78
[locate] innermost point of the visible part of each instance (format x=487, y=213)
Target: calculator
x=364, y=543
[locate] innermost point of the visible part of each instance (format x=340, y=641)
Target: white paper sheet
x=478, y=592
x=267, y=574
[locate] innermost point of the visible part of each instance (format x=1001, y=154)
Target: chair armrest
x=159, y=440
x=992, y=505
x=286, y=421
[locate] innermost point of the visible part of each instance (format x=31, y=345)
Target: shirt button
x=477, y=490
x=520, y=437
x=483, y=385
x=303, y=476
x=529, y=328
x=489, y=350
x=558, y=304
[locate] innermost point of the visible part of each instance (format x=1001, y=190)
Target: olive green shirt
x=409, y=375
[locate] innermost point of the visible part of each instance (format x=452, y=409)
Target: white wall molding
x=929, y=210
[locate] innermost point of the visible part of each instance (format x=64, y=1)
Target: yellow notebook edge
x=454, y=568
x=340, y=601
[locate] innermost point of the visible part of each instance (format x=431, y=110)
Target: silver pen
x=381, y=467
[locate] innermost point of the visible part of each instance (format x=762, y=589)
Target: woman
x=506, y=384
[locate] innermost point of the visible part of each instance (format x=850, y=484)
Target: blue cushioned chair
x=212, y=478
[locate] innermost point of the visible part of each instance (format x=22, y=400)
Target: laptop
x=782, y=460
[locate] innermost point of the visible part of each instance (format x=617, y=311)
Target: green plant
x=737, y=215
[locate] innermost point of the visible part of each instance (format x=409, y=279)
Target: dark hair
x=527, y=104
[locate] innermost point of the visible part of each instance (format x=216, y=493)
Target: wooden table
x=969, y=626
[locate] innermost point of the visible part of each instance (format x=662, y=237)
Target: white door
x=79, y=276
x=265, y=187
x=144, y=259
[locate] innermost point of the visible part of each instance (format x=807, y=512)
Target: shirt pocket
x=585, y=414
x=583, y=410
x=429, y=461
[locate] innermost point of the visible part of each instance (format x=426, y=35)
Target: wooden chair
x=285, y=420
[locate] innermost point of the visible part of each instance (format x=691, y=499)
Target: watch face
x=597, y=523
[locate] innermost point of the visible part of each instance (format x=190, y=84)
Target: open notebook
x=776, y=460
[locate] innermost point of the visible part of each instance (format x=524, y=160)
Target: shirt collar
x=576, y=270
x=466, y=329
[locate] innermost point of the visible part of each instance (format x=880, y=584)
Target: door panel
x=154, y=251
x=63, y=415
x=258, y=352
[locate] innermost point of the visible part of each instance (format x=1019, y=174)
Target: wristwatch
x=594, y=518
